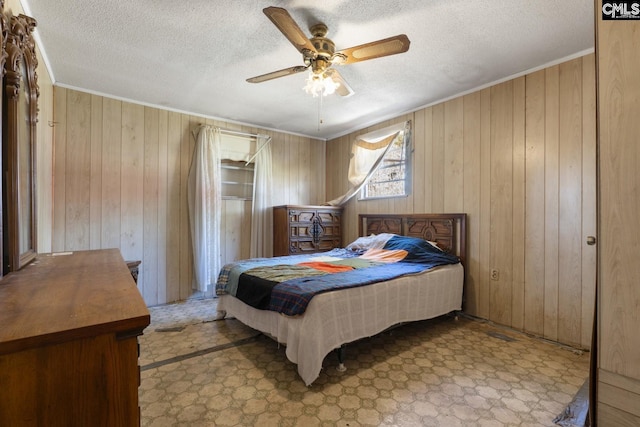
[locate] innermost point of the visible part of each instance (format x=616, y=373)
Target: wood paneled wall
x=618, y=389
x=519, y=159
x=44, y=156
x=120, y=179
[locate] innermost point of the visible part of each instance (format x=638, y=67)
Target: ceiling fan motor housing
x=325, y=48
x=323, y=45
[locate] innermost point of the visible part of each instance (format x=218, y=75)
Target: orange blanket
x=385, y=255
x=327, y=266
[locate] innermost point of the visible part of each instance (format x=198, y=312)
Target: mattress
x=343, y=316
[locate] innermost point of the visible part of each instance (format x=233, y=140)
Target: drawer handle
x=316, y=230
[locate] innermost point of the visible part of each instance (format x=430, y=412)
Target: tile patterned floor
x=440, y=372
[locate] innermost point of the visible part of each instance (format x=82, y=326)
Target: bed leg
x=220, y=314
x=341, y=353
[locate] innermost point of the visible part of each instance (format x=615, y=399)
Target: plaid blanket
x=230, y=273
x=293, y=296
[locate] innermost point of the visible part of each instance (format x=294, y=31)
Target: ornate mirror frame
x=20, y=116
x=3, y=58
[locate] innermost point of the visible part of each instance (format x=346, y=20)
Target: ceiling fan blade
x=276, y=74
x=343, y=89
x=377, y=49
x=285, y=23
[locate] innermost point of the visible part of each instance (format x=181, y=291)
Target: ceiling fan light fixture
x=320, y=84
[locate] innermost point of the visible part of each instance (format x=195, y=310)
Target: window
x=392, y=178
x=237, y=180
x=380, y=164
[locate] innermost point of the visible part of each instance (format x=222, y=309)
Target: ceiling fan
x=319, y=54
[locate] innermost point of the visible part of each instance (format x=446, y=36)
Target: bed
x=337, y=317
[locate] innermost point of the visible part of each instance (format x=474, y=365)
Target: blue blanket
x=291, y=297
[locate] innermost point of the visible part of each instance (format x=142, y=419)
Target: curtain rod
x=231, y=131
x=259, y=150
x=236, y=132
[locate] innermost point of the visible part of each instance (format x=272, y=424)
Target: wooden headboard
x=447, y=230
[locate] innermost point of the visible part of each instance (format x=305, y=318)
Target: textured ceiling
x=194, y=55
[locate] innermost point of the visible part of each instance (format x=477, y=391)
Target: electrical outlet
x=495, y=274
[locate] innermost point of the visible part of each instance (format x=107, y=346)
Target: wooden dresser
x=306, y=229
x=68, y=342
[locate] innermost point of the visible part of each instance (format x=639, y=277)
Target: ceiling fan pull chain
x=320, y=111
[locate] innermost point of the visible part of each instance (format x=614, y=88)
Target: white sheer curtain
x=367, y=152
x=262, y=215
x=205, y=198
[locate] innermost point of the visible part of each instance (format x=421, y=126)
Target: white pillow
x=374, y=241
